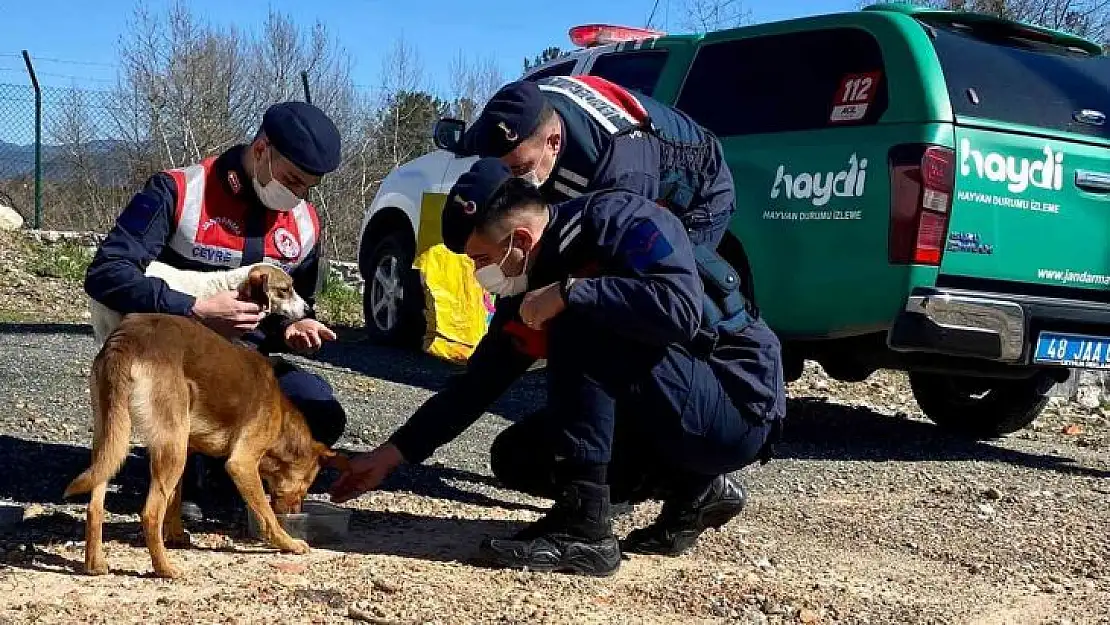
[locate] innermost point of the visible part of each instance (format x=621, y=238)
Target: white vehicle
x=404, y=218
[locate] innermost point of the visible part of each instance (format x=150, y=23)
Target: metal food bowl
x=318, y=523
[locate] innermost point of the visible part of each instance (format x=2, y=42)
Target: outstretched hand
x=366, y=472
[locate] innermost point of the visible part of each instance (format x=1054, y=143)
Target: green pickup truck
x=916, y=189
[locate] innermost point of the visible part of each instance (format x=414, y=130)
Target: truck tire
x=392, y=298
x=979, y=408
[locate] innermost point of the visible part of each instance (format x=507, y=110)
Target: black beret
x=469, y=199
x=304, y=135
x=510, y=117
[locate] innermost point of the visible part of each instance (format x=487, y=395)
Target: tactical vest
x=210, y=223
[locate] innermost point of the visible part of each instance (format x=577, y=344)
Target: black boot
x=208, y=491
x=686, y=514
x=575, y=536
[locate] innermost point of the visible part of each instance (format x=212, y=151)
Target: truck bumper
x=992, y=326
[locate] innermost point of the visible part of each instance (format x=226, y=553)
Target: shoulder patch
x=645, y=244
x=139, y=216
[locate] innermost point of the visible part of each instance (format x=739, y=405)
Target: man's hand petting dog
x=307, y=335
x=227, y=314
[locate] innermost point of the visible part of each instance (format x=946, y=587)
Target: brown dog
x=188, y=389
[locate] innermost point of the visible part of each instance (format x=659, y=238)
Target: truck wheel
x=979, y=408
x=392, y=298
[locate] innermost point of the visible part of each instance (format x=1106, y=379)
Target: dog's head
x=271, y=288
x=290, y=476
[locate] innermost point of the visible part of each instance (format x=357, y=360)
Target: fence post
x=38, y=140
x=304, y=83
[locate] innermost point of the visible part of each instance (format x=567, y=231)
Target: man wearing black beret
x=570, y=135
x=661, y=380
x=243, y=206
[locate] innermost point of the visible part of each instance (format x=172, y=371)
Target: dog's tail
x=110, y=388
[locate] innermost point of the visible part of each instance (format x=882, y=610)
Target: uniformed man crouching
x=655, y=390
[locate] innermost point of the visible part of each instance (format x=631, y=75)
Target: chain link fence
x=74, y=159
x=84, y=164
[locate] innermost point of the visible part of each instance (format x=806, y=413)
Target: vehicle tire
x=980, y=408
x=392, y=298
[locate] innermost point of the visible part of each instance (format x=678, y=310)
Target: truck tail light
x=921, y=186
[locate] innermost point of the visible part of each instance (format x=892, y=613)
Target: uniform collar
x=235, y=179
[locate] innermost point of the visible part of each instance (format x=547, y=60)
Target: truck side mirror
x=448, y=134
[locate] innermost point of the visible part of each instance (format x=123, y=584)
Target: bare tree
x=473, y=82
x=79, y=202
x=1085, y=18
x=708, y=15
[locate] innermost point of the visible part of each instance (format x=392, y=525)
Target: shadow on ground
x=38, y=472
x=7, y=327
x=817, y=429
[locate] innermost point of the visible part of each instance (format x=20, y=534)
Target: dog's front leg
x=244, y=472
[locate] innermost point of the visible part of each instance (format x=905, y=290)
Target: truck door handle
x=1094, y=181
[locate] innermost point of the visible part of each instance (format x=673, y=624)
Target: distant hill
x=19, y=160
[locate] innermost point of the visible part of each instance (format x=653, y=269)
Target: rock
x=752, y=616
x=291, y=568
x=9, y=219
x=33, y=511
x=385, y=585
x=992, y=493
x=808, y=616
x=358, y=614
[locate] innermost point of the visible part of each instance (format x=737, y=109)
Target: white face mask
x=494, y=280
x=274, y=194
x=533, y=177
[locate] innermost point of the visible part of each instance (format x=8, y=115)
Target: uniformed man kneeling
x=655, y=390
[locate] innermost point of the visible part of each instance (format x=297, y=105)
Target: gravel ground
x=868, y=515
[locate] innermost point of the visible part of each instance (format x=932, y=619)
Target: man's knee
x=314, y=397
x=521, y=460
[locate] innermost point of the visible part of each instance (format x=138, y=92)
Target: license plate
x=1073, y=350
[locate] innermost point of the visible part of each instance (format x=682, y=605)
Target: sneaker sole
x=578, y=560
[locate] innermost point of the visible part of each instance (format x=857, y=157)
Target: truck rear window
x=638, y=71
x=1023, y=82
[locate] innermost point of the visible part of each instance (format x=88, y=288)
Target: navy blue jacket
x=142, y=232
x=638, y=279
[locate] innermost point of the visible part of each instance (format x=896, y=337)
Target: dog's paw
x=298, y=547
x=167, y=571
x=96, y=567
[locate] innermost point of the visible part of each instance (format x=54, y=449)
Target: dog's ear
x=254, y=289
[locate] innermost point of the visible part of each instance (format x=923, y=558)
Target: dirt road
x=867, y=516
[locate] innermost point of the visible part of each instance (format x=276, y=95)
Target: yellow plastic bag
x=457, y=309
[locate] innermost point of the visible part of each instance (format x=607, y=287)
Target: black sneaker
x=683, y=519
x=575, y=536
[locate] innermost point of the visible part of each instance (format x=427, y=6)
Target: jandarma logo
x=820, y=187
x=1046, y=173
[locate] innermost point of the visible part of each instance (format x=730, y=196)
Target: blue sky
x=58, y=31
x=74, y=46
